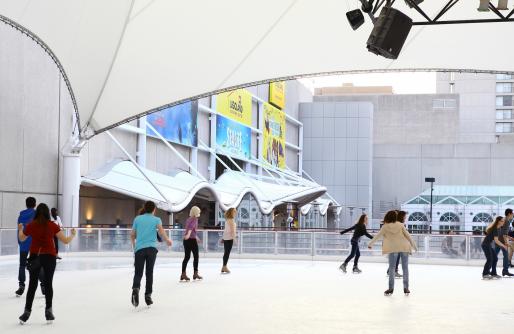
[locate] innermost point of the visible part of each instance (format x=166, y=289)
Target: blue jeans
x=505, y=257
x=355, y=252
x=405, y=268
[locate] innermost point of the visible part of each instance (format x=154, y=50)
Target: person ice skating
x=57, y=220
x=191, y=244
x=42, y=256
x=229, y=235
x=397, y=243
x=359, y=229
x=447, y=245
x=401, y=216
x=25, y=217
x=492, y=235
x=144, y=242
x=503, y=236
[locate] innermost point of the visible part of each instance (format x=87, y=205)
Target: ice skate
x=356, y=270
x=388, y=292
x=224, y=270
x=496, y=276
x=342, y=267
x=24, y=317
x=406, y=291
x=197, y=277
x=135, y=297
x=148, y=299
x=184, y=278
x=20, y=291
x=397, y=275
x=507, y=274
x=487, y=277
x=49, y=315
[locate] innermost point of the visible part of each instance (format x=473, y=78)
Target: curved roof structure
x=180, y=188
x=124, y=58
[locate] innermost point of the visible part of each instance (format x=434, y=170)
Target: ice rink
x=92, y=295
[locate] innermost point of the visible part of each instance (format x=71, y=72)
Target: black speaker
x=355, y=18
x=389, y=33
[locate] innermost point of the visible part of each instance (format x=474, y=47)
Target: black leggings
x=492, y=259
x=190, y=245
x=142, y=256
x=355, y=252
x=227, y=244
x=47, y=263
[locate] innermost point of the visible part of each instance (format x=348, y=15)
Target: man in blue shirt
x=144, y=242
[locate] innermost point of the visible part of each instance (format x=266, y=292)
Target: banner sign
x=236, y=105
x=232, y=138
x=277, y=94
x=274, y=136
x=177, y=124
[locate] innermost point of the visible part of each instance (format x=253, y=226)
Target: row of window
x=444, y=104
x=504, y=101
x=503, y=76
x=503, y=127
x=504, y=87
x=450, y=217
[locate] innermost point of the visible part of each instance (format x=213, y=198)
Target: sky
x=403, y=83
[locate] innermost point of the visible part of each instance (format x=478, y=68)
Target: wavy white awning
x=127, y=57
x=180, y=188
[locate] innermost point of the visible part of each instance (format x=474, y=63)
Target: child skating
x=359, y=229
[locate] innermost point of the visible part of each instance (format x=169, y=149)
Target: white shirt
x=57, y=221
x=229, y=233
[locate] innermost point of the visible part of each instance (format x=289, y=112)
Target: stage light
x=483, y=6
x=389, y=33
x=355, y=18
x=417, y=2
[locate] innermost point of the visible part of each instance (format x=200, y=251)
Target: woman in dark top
x=491, y=256
x=359, y=230
x=42, y=256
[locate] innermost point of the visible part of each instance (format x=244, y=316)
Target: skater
x=42, y=256
x=191, y=244
x=503, y=236
x=57, y=220
x=144, y=243
x=492, y=234
x=229, y=235
x=401, y=216
x=447, y=245
x=397, y=243
x=25, y=217
x=359, y=229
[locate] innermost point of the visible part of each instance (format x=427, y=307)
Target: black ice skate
x=49, y=315
x=388, y=292
x=24, y=317
x=135, y=297
x=20, y=291
x=356, y=270
x=148, y=299
x=196, y=276
x=406, y=291
x=343, y=267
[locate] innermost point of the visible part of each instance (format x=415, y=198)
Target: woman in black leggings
x=191, y=244
x=359, y=230
x=229, y=235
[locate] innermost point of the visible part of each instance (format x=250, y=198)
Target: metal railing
x=306, y=243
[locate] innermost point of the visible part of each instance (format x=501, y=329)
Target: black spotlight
x=355, y=18
x=389, y=33
x=417, y=2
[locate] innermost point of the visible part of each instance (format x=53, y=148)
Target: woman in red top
x=42, y=255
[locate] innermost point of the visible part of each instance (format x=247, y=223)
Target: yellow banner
x=236, y=105
x=277, y=94
x=274, y=136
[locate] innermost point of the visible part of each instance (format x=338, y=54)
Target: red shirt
x=42, y=237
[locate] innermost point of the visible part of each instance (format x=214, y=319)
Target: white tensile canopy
x=123, y=58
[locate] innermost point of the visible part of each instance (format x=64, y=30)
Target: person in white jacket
x=397, y=243
x=57, y=220
x=229, y=235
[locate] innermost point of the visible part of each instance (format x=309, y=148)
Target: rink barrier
x=249, y=242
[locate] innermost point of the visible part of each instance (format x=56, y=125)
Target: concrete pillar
x=71, y=189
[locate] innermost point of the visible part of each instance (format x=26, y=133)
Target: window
x=504, y=87
x=444, y=104
x=503, y=127
x=504, y=101
x=482, y=218
x=449, y=217
x=503, y=77
x=503, y=114
x=443, y=229
x=417, y=228
x=418, y=217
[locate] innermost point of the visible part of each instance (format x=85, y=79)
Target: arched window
x=418, y=217
x=243, y=213
x=482, y=217
x=449, y=217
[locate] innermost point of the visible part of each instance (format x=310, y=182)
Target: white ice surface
x=92, y=295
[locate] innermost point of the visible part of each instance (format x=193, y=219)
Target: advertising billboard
x=176, y=124
x=277, y=94
x=236, y=105
x=274, y=136
x=232, y=138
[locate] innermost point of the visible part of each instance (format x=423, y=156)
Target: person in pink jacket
x=397, y=243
